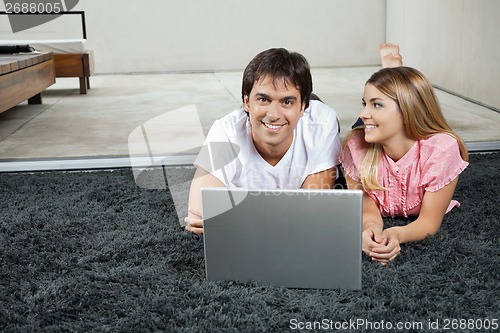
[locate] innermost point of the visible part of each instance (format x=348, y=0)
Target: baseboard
x=113, y=162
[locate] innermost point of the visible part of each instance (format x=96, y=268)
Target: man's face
x=274, y=111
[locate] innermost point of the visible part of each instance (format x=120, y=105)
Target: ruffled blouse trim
x=350, y=172
x=451, y=177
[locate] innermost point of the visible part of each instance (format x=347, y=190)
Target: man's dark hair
x=281, y=65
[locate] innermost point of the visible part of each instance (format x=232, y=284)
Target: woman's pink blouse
x=429, y=165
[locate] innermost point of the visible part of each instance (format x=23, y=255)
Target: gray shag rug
x=104, y=252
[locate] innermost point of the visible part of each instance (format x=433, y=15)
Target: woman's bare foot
x=390, y=56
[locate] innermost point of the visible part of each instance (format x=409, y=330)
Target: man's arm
x=321, y=180
x=201, y=178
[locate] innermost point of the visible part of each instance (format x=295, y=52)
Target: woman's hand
x=371, y=238
x=389, y=248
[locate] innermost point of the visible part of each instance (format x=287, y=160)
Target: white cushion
x=57, y=46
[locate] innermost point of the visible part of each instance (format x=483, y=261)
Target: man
x=280, y=139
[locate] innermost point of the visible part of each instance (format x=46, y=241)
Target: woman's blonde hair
x=419, y=106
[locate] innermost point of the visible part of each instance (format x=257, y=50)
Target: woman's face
x=382, y=118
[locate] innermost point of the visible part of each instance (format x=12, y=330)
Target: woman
x=405, y=158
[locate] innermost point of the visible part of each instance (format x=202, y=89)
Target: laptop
x=290, y=238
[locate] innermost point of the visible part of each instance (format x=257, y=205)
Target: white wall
x=196, y=35
x=454, y=42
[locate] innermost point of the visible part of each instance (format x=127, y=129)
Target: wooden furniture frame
x=76, y=65
x=80, y=65
x=24, y=77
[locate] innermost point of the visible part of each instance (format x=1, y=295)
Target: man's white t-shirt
x=230, y=155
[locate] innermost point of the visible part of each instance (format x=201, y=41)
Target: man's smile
x=274, y=127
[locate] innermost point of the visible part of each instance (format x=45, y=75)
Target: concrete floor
x=164, y=117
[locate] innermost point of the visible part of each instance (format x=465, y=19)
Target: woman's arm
x=372, y=220
x=434, y=205
x=201, y=179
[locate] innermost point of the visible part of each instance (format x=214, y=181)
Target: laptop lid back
x=291, y=238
